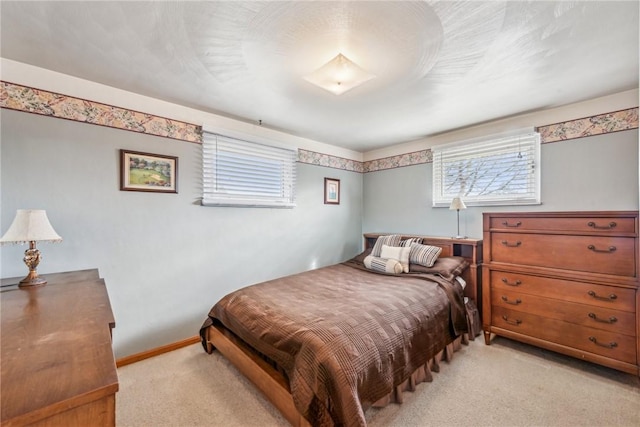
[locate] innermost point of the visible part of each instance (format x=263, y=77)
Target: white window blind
x=244, y=173
x=497, y=170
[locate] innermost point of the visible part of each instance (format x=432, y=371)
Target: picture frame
x=331, y=191
x=150, y=172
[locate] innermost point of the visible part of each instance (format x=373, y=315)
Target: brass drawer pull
x=611, y=319
x=611, y=225
x=610, y=298
x=506, y=224
x=516, y=302
x=516, y=283
x=612, y=344
x=608, y=250
x=511, y=245
x=512, y=322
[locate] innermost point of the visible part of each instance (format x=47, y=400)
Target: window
x=499, y=170
x=237, y=172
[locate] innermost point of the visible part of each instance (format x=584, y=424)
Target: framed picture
x=331, y=191
x=148, y=172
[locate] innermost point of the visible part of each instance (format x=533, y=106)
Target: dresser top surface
x=56, y=344
x=565, y=214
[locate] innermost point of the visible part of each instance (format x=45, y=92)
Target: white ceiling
x=440, y=65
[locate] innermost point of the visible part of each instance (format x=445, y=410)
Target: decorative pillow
x=424, y=254
x=383, y=265
x=447, y=267
x=398, y=253
x=409, y=241
x=390, y=240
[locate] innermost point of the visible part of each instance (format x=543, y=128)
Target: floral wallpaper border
x=31, y=100
x=37, y=101
x=401, y=160
x=572, y=129
x=589, y=126
x=326, y=160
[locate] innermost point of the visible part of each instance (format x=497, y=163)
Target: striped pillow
x=409, y=241
x=390, y=240
x=383, y=265
x=424, y=254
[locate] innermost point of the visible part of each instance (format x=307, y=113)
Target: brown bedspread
x=345, y=337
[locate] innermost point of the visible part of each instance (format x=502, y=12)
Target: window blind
x=244, y=173
x=497, y=170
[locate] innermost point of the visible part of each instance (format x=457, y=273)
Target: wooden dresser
x=565, y=281
x=58, y=367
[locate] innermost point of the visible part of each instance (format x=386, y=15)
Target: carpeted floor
x=504, y=384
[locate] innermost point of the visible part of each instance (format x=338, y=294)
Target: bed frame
x=272, y=383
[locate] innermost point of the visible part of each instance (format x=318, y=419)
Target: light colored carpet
x=504, y=384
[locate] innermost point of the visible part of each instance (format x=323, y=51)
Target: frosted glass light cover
x=339, y=75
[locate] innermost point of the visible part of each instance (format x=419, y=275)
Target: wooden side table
x=58, y=366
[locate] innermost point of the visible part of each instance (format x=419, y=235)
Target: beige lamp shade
x=457, y=204
x=30, y=225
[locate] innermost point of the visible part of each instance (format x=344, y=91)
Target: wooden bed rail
x=273, y=385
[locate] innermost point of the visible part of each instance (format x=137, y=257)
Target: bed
x=326, y=344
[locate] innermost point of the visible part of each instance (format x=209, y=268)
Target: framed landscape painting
x=148, y=172
x=331, y=191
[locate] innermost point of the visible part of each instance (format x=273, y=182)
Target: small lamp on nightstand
x=31, y=226
x=457, y=204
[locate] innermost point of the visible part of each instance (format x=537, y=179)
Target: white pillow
x=383, y=264
x=398, y=253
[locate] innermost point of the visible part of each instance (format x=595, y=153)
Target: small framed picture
x=148, y=172
x=331, y=191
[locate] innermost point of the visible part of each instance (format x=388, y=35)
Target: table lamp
x=457, y=204
x=31, y=226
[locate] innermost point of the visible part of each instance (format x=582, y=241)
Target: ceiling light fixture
x=339, y=75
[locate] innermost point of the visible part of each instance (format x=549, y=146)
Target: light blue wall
x=165, y=258
x=593, y=173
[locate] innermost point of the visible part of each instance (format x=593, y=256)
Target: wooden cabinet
x=58, y=367
x=470, y=249
x=565, y=281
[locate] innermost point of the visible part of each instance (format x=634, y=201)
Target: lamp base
x=32, y=280
x=459, y=237
x=32, y=259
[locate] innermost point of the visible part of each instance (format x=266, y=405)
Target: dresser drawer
x=604, y=343
x=567, y=290
x=596, y=254
x=606, y=319
x=569, y=225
